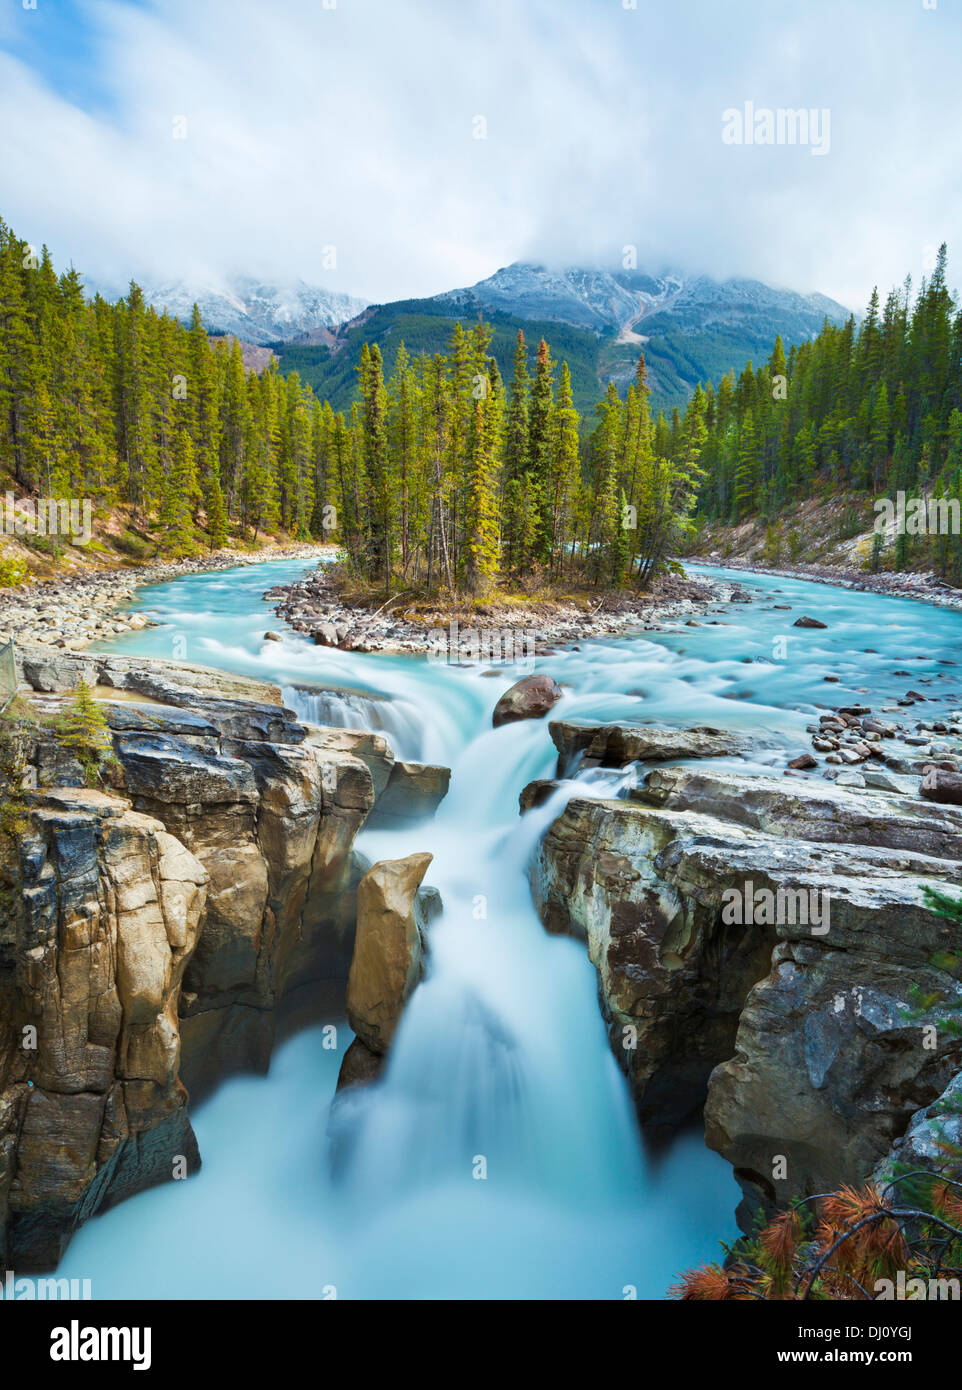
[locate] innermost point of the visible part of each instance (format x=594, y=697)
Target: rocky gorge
x=755, y=915
x=163, y=922
x=799, y=1031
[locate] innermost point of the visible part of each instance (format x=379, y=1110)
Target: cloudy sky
x=192, y=139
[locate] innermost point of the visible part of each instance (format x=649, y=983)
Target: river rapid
x=499, y=1156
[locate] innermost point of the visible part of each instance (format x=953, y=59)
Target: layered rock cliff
x=159, y=924
x=765, y=948
x=91, y=963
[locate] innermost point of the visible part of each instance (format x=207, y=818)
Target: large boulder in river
x=387, y=948
x=531, y=698
x=808, y=622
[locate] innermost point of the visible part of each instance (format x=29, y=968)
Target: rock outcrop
x=529, y=698
x=272, y=814
x=768, y=945
x=388, y=949
x=932, y=1143
x=617, y=745
x=92, y=959
x=57, y=672
x=160, y=927
x=414, y=792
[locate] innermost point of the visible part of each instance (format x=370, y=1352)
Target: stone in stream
x=388, y=948
x=808, y=622
x=531, y=698
x=414, y=792
x=617, y=745
x=360, y=1066
x=945, y=787
x=805, y=761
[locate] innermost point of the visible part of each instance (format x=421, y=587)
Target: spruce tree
x=82, y=729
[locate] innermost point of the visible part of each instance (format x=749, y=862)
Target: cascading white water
x=501, y=1060
x=502, y=1053
x=398, y=720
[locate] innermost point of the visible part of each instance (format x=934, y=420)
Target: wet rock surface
x=798, y=1023
x=617, y=745
x=529, y=698
x=388, y=948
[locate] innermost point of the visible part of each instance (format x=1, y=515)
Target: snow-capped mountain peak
x=254, y=310
x=619, y=299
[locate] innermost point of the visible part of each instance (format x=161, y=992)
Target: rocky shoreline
x=70, y=614
x=927, y=587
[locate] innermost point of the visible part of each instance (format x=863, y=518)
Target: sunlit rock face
x=92, y=960
x=159, y=927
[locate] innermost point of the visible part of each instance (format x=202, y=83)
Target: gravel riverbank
x=72, y=613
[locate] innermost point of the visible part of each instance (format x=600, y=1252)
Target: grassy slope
x=119, y=541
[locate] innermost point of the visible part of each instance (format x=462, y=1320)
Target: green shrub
x=129, y=543
x=13, y=571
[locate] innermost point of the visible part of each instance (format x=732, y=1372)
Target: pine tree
x=180, y=495
x=539, y=447
x=83, y=730
x=481, y=559
x=746, y=471
x=563, y=473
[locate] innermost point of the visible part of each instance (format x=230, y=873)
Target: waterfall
x=397, y=720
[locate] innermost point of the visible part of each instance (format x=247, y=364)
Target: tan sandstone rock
x=387, y=949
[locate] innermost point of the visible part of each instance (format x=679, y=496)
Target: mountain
x=603, y=299
x=690, y=329
x=254, y=310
